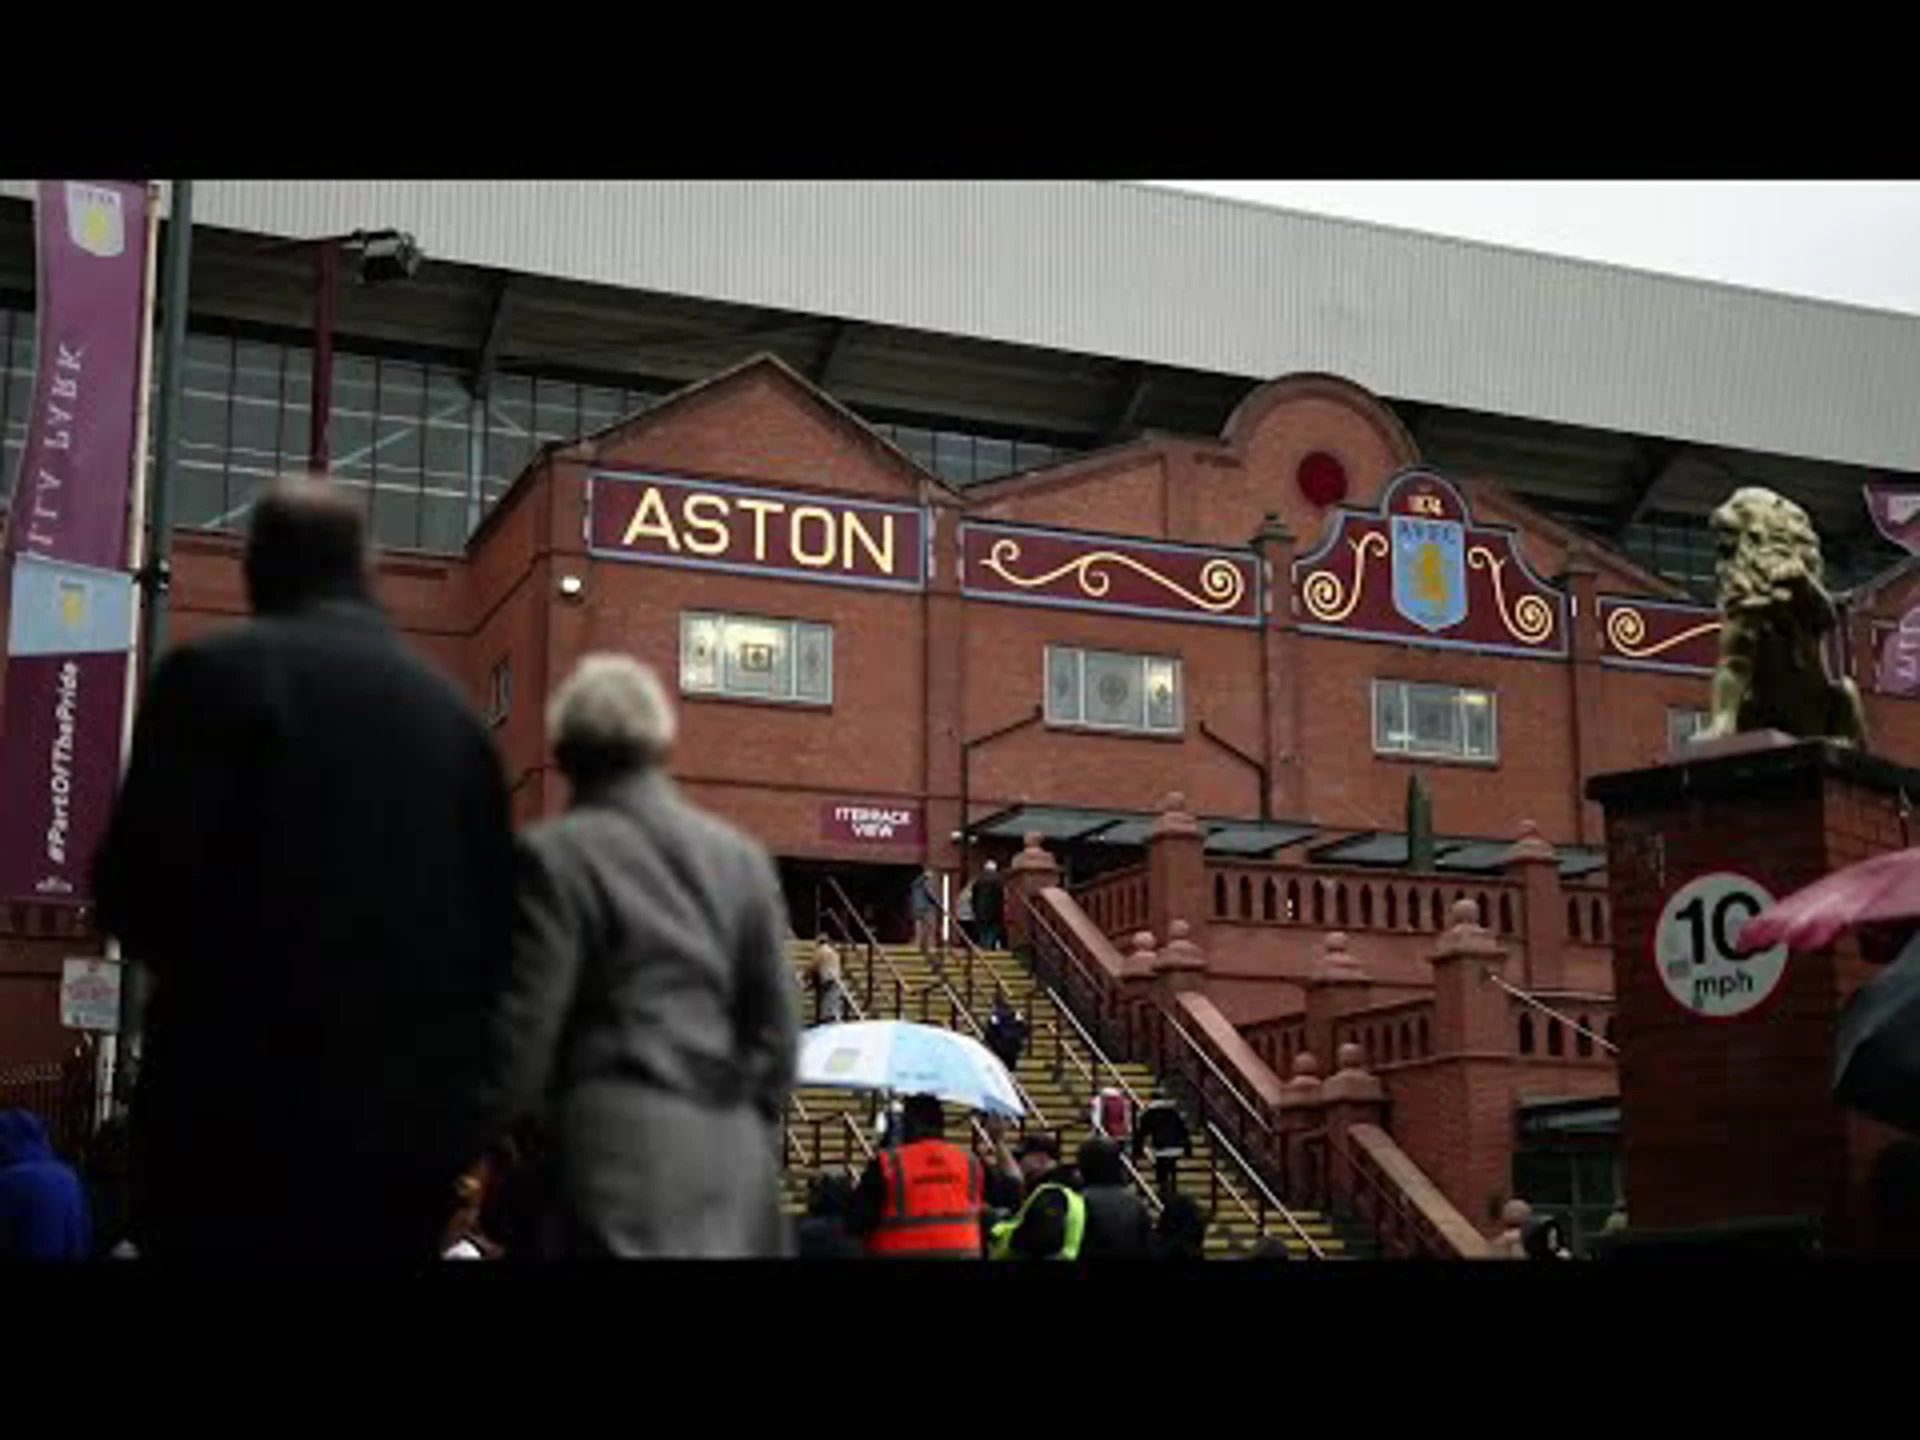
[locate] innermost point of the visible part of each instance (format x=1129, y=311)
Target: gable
x=1549, y=545
x=762, y=424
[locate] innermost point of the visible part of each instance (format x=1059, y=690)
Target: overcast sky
x=1853, y=241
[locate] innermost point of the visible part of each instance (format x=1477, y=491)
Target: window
x=1683, y=724
x=499, y=692
x=1437, y=722
x=749, y=658
x=1103, y=690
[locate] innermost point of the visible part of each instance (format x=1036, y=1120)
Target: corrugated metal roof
x=1172, y=279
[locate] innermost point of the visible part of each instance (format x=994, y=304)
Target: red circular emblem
x=1322, y=479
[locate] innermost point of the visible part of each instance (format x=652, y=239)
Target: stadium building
x=971, y=513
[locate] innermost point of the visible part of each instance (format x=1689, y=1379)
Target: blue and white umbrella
x=908, y=1059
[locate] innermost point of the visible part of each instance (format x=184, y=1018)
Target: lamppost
x=384, y=256
x=967, y=747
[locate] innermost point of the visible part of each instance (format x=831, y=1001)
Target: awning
x=1057, y=823
x=1387, y=848
x=1067, y=825
x=1582, y=1116
x=1457, y=854
x=1254, y=840
x=1575, y=862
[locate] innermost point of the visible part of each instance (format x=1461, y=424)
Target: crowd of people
x=926, y=1197
x=381, y=1024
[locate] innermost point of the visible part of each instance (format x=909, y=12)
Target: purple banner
x=70, y=498
x=58, y=770
x=1895, y=508
x=1900, y=658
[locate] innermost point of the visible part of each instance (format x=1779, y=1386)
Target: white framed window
x=1435, y=722
x=499, y=692
x=752, y=657
x=1684, y=723
x=1108, y=690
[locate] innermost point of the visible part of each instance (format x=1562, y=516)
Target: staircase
x=1059, y=1072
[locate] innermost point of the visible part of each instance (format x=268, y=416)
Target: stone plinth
x=1729, y=1116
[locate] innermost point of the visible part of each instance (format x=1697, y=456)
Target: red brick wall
x=1004, y=665
x=1761, y=1082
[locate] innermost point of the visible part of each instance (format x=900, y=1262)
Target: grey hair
x=610, y=715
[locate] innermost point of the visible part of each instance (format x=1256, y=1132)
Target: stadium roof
x=1193, y=282
x=1081, y=312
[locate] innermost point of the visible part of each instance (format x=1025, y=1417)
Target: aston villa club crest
x=96, y=220
x=1430, y=571
x=73, y=603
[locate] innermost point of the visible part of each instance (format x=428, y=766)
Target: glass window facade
x=747, y=657
x=962, y=458
x=1579, y=1183
x=1434, y=722
x=1683, y=723
x=406, y=431
x=1107, y=690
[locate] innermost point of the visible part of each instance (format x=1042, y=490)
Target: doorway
x=879, y=892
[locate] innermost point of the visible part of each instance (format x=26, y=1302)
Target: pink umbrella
x=1881, y=897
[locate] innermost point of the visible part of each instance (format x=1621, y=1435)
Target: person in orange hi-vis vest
x=921, y=1200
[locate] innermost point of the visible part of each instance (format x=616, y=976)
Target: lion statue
x=1775, y=611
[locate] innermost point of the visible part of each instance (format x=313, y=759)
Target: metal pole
x=166, y=447
x=152, y=576
x=107, y=1075
x=326, y=265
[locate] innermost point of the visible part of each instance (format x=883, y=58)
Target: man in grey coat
x=651, y=1021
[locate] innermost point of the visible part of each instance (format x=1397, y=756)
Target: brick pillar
x=1280, y=696
x=1032, y=871
x=1510, y=1233
x=1586, y=680
x=1730, y=1116
x=1354, y=1096
x=1300, y=1118
x=1470, y=1154
x=1139, y=967
x=1543, y=959
x=1337, y=986
x=1181, y=965
x=1176, y=869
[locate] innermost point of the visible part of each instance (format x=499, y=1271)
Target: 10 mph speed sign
x=1695, y=949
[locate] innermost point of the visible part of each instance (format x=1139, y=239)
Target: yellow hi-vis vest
x=1000, y=1242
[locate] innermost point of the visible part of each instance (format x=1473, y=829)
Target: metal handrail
x=1060, y=1008
x=1567, y=1020
x=1272, y=1201
x=1421, y=1232
x=793, y=1140
x=1213, y=1131
x=1251, y=1110
x=960, y=1010
x=874, y=948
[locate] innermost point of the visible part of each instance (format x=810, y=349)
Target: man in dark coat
x=43, y=1205
x=1005, y=1033
x=822, y=1233
x=1161, y=1131
x=652, y=1020
x=312, y=856
x=989, y=908
x=1118, y=1225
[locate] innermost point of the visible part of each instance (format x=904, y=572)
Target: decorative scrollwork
x=1222, y=585
x=1326, y=595
x=1530, y=620
x=1627, y=628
